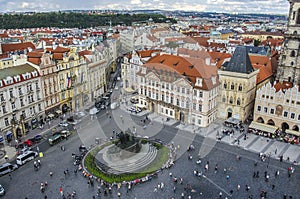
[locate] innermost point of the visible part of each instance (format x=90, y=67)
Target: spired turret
x=289, y=62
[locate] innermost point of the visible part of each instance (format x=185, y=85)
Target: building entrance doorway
x=229, y=113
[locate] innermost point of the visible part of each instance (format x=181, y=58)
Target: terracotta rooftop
x=263, y=63
x=191, y=68
x=7, y=48
x=283, y=85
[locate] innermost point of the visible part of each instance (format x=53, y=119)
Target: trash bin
x=97, y=140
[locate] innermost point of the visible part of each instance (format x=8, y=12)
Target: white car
x=63, y=123
x=2, y=191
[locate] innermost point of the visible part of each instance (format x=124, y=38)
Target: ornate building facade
x=21, y=100
x=238, y=84
x=278, y=105
x=181, y=88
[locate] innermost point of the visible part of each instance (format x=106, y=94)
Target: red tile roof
x=146, y=53
x=7, y=48
x=202, y=41
x=191, y=68
x=283, y=85
x=58, y=56
x=263, y=63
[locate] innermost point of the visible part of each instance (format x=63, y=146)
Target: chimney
x=207, y=61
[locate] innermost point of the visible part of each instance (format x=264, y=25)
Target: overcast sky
x=240, y=6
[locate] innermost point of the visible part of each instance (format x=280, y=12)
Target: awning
x=263, y=127
x=289, y=131
x=51, y=115
x=1, y=139
x=58, y=112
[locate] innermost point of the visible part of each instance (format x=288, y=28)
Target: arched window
x=231, y=100
x=240, y=87
x=295, y=33
x=292, y=63
x=232, y=86
x=238, y=101
x=293, y=53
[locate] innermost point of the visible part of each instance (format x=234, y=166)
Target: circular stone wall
x=116, y=165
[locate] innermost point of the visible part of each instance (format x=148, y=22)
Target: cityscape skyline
x=228, y=6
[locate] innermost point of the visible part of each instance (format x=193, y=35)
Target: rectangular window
x=24, y=114
x=172, y=101
x=285, y=114
x=194, y=106
x=167, y=111
x=195, y=92
x=6, y=121
x=292, y=115
x=299, y=117
x=178, y=89
x=200, y=107
x=272, y=111
x=200, y=94
x=199, y=121
x=13, y=105
x=187, y=91
x=265, y=109
x=258, y=108
x=171, y=112
x=183, y=90
x=162, y=97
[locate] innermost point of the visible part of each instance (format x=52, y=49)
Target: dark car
x=82, y=148
x=38, y=138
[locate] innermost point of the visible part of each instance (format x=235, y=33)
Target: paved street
x=25, y=182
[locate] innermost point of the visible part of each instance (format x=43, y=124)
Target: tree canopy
x=73, y=20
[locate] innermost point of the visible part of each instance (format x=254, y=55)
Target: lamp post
x=13, y=125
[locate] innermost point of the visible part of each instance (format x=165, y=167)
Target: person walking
x=61, y=191
x=238, y=187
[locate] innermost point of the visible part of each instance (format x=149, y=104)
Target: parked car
x=28, y=143
x=134, y=100
x=65, y=133
x=7, y=168
x=63, y=123
x=23, y=150
x=38, y=138
x=2, y=190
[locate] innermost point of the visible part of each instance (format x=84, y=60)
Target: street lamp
x=269, y=157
